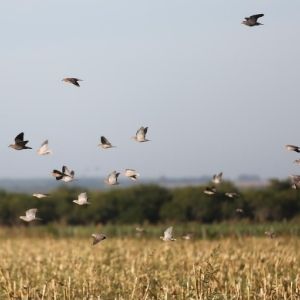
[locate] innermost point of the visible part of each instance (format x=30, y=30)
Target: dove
x=20, y=144
x=112, y=178
x=30, y=215
x=252, y=20
x=132, y=174
x=65, y=175
x=82, y=199
x=140, y=135
x=168, y=235
x=44, y=149
x=72, y=80
x=98, y=237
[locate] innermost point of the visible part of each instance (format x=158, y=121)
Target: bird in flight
x=210, y=191
x=270, y=234
x=112, y=178
x=44, y=149
x=168, y=235
x=295, y=179
x=105, y=144
x=187, y=236
x=82, y=199
x=232, y=194
x=72, y=80
x=252, y=20
x=98, y=237
x=217, y=178
x=132, y=174
x=30, y=215
x=20, y=144
x=140, y=135
x=65, y=175
x=292, y=148
x=40, y=195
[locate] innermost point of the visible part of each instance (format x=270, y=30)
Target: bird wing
x=19, y=138
x=104, y=140
x=30, y=213
x=82, y=197
x=44, y=147
x=168, y=233
x=45, y=143
x=130, y=172
x=74, y=81
x=67, y=172
x=140, y=134
x=57, y=174
x=255, y=17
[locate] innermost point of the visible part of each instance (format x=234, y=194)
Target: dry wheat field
x=248, y=268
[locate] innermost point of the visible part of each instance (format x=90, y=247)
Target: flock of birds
x=67, y=175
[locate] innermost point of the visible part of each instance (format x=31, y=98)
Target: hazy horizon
x=215, y=94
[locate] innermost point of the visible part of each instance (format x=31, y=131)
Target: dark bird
x=73, y=81
x=252, y=20
x=19, y=144
x=65, y=175
x=105, y=143
x=292, y=148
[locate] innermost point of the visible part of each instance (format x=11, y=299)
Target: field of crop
x=138, y=268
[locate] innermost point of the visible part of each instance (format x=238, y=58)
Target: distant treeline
x=154, y=204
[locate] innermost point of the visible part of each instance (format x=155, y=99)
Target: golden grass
x=250, y=268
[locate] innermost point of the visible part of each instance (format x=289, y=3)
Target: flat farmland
x=138, y=268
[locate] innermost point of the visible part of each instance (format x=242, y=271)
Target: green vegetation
x=151, y=204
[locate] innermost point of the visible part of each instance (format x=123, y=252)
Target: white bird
x=65, y=175
x=82, y=199
x=140, y=135
x=210, y=190
x=40, y=195
x=112, y=178
x=30, y=215
x=187, y=236
x=217, y=178
x=44, y=149
x=168, y=235
x=232, y=195
x=98, y=237
x=105, y=144
x=295, y=179
x=239, y=210
x=132, y=174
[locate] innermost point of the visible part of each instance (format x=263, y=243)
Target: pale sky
x=215, y=94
